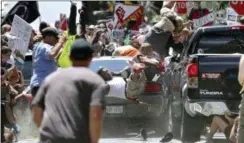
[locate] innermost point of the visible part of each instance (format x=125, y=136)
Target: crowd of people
x=58, y=108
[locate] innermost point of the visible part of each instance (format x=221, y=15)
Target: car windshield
x=221, y=43
x=112, y=65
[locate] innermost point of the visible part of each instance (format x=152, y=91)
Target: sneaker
x=167, y=138
x=143, y=133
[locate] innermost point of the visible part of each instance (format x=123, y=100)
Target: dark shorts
x=34, y=91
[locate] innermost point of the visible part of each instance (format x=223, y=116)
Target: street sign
x=181, y=7
x=238, y=6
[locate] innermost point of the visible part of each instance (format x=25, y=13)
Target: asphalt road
x=126, y=140
x=29, y=131
x=133, y=137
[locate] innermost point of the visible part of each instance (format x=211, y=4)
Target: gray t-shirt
x=66, y=96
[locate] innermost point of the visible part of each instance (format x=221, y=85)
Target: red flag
x=64, y=24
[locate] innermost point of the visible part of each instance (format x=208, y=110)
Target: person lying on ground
x=117, y=84
x=224, y=124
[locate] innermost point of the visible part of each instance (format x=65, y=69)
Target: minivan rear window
x=221, y=43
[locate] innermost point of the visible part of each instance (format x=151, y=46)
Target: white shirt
x=117, y=88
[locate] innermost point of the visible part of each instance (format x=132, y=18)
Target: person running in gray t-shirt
x=68, y=108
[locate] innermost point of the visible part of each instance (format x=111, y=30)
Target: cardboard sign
x=22, y=31
x=203, y=20
x=125, y=13
x=238, y=6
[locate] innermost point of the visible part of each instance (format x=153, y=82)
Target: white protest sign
x=231, y=16
x=22, y=30
x=203, y=20
x=110, y=26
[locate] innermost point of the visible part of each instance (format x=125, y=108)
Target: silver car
x=125, y=110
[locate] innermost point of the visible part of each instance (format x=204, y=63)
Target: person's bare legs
x=217, y=124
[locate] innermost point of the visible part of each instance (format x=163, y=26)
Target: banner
x=201, y=17
x=203, y=21
x=27, y=10
x=22, y=31
x=125, y=13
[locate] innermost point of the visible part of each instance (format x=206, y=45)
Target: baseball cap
x=81, y=50
x=91, y=27
x=50, y=31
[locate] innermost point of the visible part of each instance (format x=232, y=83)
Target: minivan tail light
x=152, y=87
x=192, y=70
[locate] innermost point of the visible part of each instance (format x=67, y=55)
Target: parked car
x=124, y=110
x=203, y=79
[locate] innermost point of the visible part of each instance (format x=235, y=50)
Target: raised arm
x=55, y=51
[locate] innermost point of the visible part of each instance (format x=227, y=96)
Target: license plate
x=114, y=109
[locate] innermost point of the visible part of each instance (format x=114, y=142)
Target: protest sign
x=125, y=13
x=22, y=30
x=110, y=26
x=238, y=6
x=205, y=20
x=181, y=7
x=231, y=16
